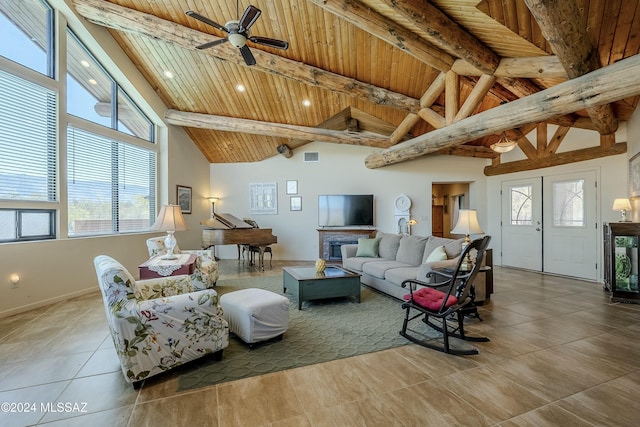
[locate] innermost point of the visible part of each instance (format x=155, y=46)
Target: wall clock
x=402, y=204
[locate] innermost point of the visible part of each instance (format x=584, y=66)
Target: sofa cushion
x=411, y=250
x=368, y=247
x=389, y=244
x=399, y=275
x=453, y=247
x=355, y=264
x=378, y=269
x=438, y=254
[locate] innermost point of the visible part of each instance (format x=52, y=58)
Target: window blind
x=27, y=140
x=111, y=185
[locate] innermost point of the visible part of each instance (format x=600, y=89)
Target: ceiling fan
x=239, y=33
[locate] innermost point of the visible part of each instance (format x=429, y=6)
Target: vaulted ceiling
x=411, y=77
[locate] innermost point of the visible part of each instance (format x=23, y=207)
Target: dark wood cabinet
x=621, y=261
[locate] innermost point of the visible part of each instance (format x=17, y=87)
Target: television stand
x=331, y=240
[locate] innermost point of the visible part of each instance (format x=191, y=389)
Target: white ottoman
x=255, y=314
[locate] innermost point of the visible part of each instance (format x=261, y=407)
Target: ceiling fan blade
x=247, y=55
x=211, y=44
x=278, y=44
x=249, y=17
x=206, y=20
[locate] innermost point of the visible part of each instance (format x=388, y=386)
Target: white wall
x=58, y=269
x=341, y=170
x=633, y=148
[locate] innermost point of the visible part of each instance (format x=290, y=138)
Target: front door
x=570, y=225
x=522, y=224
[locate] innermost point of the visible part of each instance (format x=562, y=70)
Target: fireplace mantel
x=330, y=240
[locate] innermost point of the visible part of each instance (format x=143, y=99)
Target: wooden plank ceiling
x=412, y=66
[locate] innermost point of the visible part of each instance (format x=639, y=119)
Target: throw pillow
x=438, y=254
x=368, y=247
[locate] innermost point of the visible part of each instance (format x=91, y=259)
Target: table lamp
x=170, y=219
x=622, y=205
x=467, y=224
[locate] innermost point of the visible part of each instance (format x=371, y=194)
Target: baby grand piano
x=226, y=229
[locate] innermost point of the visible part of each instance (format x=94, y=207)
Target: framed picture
x=183, y=198
x=634, y=176
x=264, y=198
x=292, y=187
x=295, y=203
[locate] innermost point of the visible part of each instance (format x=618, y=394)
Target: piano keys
x=226, y=229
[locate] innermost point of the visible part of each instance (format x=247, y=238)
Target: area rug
x=322, y=331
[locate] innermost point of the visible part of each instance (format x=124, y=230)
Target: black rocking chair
x=445, y=301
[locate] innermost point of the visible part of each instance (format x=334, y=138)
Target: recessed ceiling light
x=240, y=87
x=84, y=63
x=306, y=103
x=93, y=81
x=168, y=74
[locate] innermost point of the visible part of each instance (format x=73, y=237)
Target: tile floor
x=560, y=354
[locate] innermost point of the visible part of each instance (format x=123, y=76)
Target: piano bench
x=255, y=314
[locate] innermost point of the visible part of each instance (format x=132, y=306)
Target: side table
x=156, y=267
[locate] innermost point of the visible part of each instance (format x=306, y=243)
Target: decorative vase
x=320, y=265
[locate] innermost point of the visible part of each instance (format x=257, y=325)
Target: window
x=110, y=152
x=92, y=94
x=28, y=124
x=27, y=224
x=568, y=204
x=521, y=206
x=27, y=34
x=111, y=185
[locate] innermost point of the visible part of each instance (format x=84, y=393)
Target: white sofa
x=404, y=257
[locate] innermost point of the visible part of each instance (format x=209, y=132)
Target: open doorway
x=446, y=199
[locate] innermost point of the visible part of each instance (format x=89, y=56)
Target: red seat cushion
x=431, y=299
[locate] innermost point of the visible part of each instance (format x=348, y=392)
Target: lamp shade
x=467, y=223
x=504, y=144
x=620, y=204
x=170, y=219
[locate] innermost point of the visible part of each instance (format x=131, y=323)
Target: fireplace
x=331, y=240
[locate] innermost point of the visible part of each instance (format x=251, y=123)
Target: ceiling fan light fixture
x=238, y=40
x=504, y=145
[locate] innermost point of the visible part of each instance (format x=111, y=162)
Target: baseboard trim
x=44, y=303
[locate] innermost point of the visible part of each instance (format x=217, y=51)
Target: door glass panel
x=521, y=205
x=568, y=204
x=626, y=263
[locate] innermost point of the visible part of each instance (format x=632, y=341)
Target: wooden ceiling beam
x=569, y=39
x=120, y=18
x=367, y=19
x=445, y=33
x=231, y=124
x=608, y=84
x=558, y=159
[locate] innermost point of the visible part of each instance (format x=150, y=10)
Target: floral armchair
x=158, y=324
x=206, y=273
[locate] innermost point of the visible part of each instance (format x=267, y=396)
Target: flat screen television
x=343, y=210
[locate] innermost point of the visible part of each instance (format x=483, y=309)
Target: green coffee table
x=306, y=284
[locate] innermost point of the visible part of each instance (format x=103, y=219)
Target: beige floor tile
x=429, y=404
x=550, y=415
x=434, y=363
x=36, y=399
x=614, y=403
x=497, y=397
x=257, y=401
x=195, y=409
x=98, y=392
x=328, y=384
x=298, y=421
x=42, y=371
x=118, y=417
x=101, y=362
